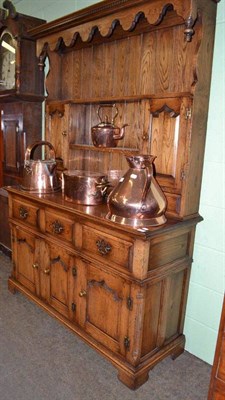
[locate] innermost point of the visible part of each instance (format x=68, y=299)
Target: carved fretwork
x=165, y=108
x=42, y=57
x=103, y=285
x=60, y=261
x=187, y=16
x=24, y=241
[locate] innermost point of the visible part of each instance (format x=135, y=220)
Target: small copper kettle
x=106, y=134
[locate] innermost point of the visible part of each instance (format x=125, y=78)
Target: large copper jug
x=138, y=200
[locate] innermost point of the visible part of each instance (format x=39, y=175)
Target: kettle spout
x=121, y=133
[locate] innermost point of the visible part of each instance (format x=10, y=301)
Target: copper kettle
x=138, y=200
x=106, y=134
x=40, y=175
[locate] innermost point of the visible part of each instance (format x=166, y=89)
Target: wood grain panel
x=121, y=68
x=98, y=62
x=67, y=77
x=77, y=72
x=164, y=60
x=174, y=303
x=133, y=67
x=148, y=63
x=164, y=143
x=53, y=79
x=151, y=318
x=131, y=116
x=163, y=252
x=108, y=75
x=87, y=75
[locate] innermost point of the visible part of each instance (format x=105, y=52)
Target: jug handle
x=30, y=150
x=108, y=105
x=146, y=187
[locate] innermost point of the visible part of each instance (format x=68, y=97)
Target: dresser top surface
x=98, y=213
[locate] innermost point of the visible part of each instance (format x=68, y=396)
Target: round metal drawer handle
x=103, y=247
x=35, y=266
x=57, y=227
x=23, y=212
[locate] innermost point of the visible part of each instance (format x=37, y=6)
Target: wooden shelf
x=119, y=99
x=121, y=150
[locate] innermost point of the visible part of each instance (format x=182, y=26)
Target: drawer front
x=59, y=225
x=25, y=212
x=107, y=248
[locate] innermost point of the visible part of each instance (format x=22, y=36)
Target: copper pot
x=39, y=176
x=84, y=187
x=106, y=134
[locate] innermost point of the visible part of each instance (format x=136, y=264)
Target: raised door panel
x=102, y=305
x=12, y=126
x=24, y=258
x=57, y=278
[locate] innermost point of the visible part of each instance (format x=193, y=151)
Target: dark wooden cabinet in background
x=21, y=97
x=122, y=290
x=217, y=383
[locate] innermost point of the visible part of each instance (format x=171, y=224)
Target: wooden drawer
x=107, y=248
x=59, y=225
x=25, y=212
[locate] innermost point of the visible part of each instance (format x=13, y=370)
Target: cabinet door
x=25, y=259
x=13, y=142
x=57, y=278
x=102, y=306
x=170, y=130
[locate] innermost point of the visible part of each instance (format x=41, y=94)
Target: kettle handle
x=111, y=106
x=30, y=150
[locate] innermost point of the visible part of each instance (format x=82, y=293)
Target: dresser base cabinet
x=122, y=291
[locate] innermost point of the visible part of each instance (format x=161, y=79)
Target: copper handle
x=103, y=247
x=83, y=293
x=57, y=227
x=35, y=266
x=47, y=271
x=23, y=213
x=111, y=106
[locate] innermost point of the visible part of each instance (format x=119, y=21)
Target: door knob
x=46, y=271
x=83, y=293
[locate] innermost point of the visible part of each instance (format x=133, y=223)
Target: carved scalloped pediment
x=65, y=31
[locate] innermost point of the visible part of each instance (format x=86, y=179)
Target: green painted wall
x=208, y=273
